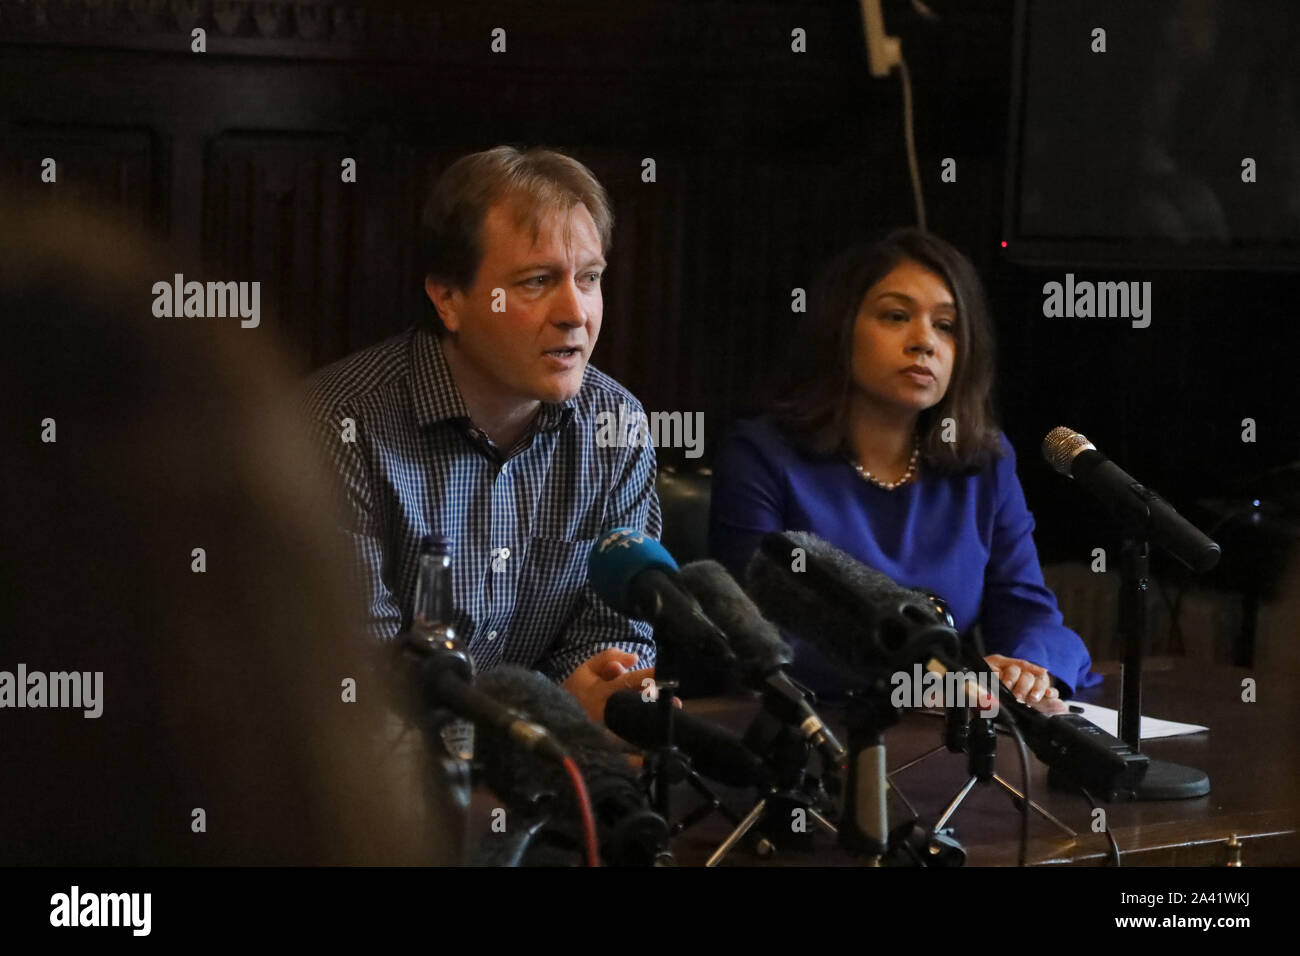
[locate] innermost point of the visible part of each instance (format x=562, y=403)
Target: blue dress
x=968, y=538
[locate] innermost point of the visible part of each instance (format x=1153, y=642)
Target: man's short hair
x=540, y=180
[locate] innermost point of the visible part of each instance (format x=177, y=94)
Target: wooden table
x=1250, y=752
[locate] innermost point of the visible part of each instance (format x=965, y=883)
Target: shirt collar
x=436, y=397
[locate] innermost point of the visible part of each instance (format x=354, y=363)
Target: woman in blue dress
x=884, y=442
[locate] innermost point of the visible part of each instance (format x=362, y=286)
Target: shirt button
x=492, y=635
x=505, y=554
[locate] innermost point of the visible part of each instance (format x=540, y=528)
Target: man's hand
x=602, y=675
x=1026, y=681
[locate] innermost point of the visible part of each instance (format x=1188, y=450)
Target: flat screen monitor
x=1161, y=132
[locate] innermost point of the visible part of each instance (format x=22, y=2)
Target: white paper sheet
x=1152, y=727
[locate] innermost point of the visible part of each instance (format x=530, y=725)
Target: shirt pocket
x=557, y=518
x=552, y=578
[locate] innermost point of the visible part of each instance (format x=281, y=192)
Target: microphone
x=441, y=673
x=871, y=625
x=761, y=651
x=629, y=831
x=714, y=751
x=1075, y=457
x=755, y=640
x=635, y=575
x=852, y=612
x=1073, y=746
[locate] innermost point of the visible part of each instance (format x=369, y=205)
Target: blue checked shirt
x=521, y=523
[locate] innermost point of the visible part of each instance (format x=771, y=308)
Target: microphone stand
x=681, y=770
x=975, y=736
x=447, y=777
x=666, y=765
x=978, y=737
x=863, y=826
x=1163, y=780
x=664, y=760
x=864, y=817
x=785, y=751
x=448, y=781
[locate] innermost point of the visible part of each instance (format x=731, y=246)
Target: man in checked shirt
x=483, y=427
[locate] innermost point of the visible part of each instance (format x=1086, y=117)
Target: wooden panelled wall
x=766, y=160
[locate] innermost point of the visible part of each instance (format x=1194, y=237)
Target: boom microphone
x=760, y=649
x=629, y=831
x=439, y=672
x=1075, y=457
x=755, y=640
x=634, y=574
x=854, y=613
x=714, y=751
x=1077, y=749
x=868, y=623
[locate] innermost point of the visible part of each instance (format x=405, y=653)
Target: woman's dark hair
x=816, y=393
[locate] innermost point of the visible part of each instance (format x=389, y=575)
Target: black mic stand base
x=1017, y=798
x=913, y=845
x=711, y=803
x=979, y=738
x=774, y=810
x=786, y=797
x=1172, y=781
x=1162, y=781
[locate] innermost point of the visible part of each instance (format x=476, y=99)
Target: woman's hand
x=1026, y=681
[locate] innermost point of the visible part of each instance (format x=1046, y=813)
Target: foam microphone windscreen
x=755, y=640
x=629, y=830
x=514, y=773
x=851, y=611
x=615, y=561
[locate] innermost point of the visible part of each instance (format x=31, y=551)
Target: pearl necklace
x=891, y=485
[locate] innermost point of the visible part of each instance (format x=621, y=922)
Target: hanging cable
x=909, y=140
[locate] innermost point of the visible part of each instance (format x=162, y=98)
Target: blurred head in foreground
x=222, y=689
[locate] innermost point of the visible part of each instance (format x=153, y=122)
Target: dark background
x=767, y=161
